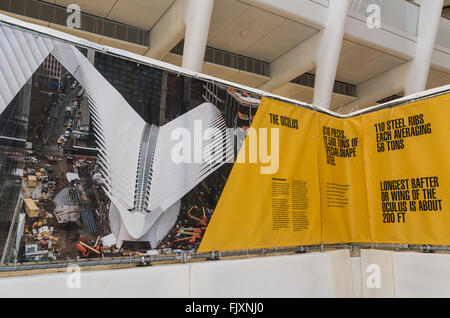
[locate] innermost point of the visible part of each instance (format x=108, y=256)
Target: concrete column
x=321, y=50
x=293, y=63
x=379, y=87
x=198, y=17
x=168, y=31
x=185, y=18
x=329, y=53
x=429, y=17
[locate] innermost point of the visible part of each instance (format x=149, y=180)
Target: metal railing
x=186, y=257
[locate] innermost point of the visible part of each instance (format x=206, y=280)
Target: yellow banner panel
x=408, y=173
x=271, y=198
x=343, y=185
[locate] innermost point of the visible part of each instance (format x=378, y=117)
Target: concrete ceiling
x=249, y=31
x=306, y=94
x=437, y=78
x=359, y=63
x=243, y=29
x=139, y=13
x=235, y=26
x=142, y=14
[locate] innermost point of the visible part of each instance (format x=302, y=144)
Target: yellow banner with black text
x=380, y=177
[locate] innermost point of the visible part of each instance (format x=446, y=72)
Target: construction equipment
x=187, y=233
x=90, y=248
x=34, y=253
x=31, y=208
x=32, y=182
x=96, y=242
x=193, y=229
x=190, y=239
x=83, y=250
x=200, y=221
x=40, y=223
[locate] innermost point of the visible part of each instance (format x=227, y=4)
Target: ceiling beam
x=293, y=63
x=386, y=84
x=304, y=11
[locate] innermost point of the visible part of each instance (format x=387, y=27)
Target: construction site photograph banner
x=379, y=177
x=123, y=156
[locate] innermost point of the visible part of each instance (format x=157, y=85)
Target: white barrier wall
x=304, y=275
x=421, y=275
x=407, y=274
x=155, y=281
x=330, y=274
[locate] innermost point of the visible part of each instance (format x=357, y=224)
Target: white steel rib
x=144, y=183
x=21, y=54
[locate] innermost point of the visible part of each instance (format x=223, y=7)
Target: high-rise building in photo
x=49, y=74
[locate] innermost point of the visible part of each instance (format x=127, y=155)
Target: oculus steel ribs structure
x=144, y=183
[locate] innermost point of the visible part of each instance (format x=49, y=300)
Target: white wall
x=421, y=275
x=407, y=274
x=328, y=274
x=155, y=281
x=304, y=275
